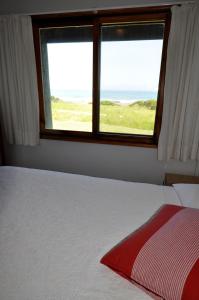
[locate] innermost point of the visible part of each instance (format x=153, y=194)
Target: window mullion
x=159, y=109
x=96, y=76
x=46, y=86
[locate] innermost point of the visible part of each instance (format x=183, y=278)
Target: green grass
x=136, y=118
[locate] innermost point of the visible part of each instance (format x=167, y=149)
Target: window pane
x=67, y=77
x=130, y=68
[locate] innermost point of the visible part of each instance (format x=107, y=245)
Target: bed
x=55, y=227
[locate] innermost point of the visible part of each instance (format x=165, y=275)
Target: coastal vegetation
x=135, y=118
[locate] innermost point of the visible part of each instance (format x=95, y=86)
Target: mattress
x=55, y=227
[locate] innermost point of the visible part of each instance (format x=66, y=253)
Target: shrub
x=107, y=102
x=55, y=99
x=149, y=104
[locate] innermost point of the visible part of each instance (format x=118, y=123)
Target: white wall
x=39, y=6
x=128, y=163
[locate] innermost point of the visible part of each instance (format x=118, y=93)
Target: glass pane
x=67, y=77
x=130, y=68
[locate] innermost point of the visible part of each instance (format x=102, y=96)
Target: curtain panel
x=179, y=137
x=1, y=148
x=18, y=83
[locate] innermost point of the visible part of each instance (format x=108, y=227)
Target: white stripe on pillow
x=163, y=262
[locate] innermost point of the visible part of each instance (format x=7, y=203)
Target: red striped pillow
x=162, y=255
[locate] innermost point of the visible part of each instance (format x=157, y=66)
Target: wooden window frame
x=96, y=18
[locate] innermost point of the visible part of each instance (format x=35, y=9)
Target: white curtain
x=179, y=137
x=18, y=84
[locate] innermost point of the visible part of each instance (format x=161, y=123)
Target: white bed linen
x=55, y=227
x=188, y=194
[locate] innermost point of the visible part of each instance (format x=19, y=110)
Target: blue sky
x=126, y=65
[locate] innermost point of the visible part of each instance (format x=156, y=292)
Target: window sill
x=100, y=138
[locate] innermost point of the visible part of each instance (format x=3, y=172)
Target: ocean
x=111, y=95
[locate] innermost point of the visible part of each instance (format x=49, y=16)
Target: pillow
x=162, y=255
x=188, y=194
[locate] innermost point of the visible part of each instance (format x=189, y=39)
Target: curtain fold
x=19, y=105
x=179, y=137
x=1, y=147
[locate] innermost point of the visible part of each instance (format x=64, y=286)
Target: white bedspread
x=55, y=227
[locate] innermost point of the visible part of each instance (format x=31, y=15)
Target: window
x=101, y=76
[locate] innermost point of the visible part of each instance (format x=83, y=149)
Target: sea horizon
x=121, y=96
